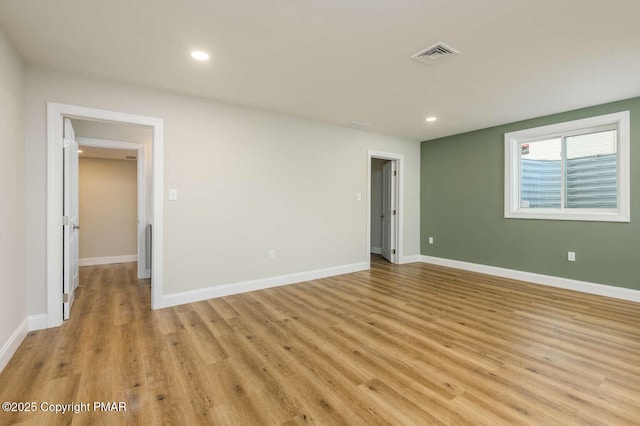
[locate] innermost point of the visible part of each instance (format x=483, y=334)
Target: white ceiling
x=112, y=131
x=342, y=61
x=108, y=131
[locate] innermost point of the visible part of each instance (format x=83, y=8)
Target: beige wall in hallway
x=108, y=210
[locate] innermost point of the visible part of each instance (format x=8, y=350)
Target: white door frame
x=399, y=159
x=140, y=149
x=55, y=114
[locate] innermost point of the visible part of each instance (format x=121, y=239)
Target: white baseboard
x=88, y=261
x=376, y=250
x=548, y=280
x=410, y=259
x=38, y=322
x=11, y=346
x=191, y=296
x=30, y=323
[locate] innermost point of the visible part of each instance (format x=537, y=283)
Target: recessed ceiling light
x=79, y=151
x=199, y=55
x=431, y=119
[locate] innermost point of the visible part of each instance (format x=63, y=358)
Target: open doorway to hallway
x=109, y=185
x=58, y=259
x=376, y=205
x=384, y=213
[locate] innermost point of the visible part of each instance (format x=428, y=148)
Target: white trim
x=55, y=114
x=548, y=280
x=376, y=250
x=37, y=322
x=512, y=209
x=13, y=343
x=141, y=185
x=89, y=261
x=259, y=284
x=410, y=259
x=399, y=159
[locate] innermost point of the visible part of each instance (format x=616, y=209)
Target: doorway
x=56, y=218
x=113, y=149
x=384, y=215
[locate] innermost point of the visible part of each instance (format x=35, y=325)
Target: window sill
x=552, y=214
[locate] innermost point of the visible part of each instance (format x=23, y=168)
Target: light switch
x=173, y=194
x=358, y=196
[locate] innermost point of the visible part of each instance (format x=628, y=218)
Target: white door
x=71, y=222
x=389, y=215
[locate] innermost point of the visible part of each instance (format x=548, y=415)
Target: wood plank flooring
x=412, y=344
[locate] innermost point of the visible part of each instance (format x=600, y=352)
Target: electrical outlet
x=272, y=254
x=571, y=256
x=430, y=240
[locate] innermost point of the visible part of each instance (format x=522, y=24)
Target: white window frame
x=512, y=141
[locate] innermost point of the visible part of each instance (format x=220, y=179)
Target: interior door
x=71, y=226
x=389, y=211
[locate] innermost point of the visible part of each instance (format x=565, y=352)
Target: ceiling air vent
x=131, y=157
x=435, y=53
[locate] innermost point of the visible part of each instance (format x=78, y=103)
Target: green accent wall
x=462, y=207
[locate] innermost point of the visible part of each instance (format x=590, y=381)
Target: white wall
x=248, y=181
x=376, y=203
x=12, y=175
x=108, y=207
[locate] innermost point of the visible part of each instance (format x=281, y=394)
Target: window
x=578, y=170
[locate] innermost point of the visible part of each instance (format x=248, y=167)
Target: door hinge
x=65, y=298
x=394, y=213
x=395, y=172
x=65, y=220
x=393, y=251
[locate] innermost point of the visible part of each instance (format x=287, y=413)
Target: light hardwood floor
x=412, y=344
